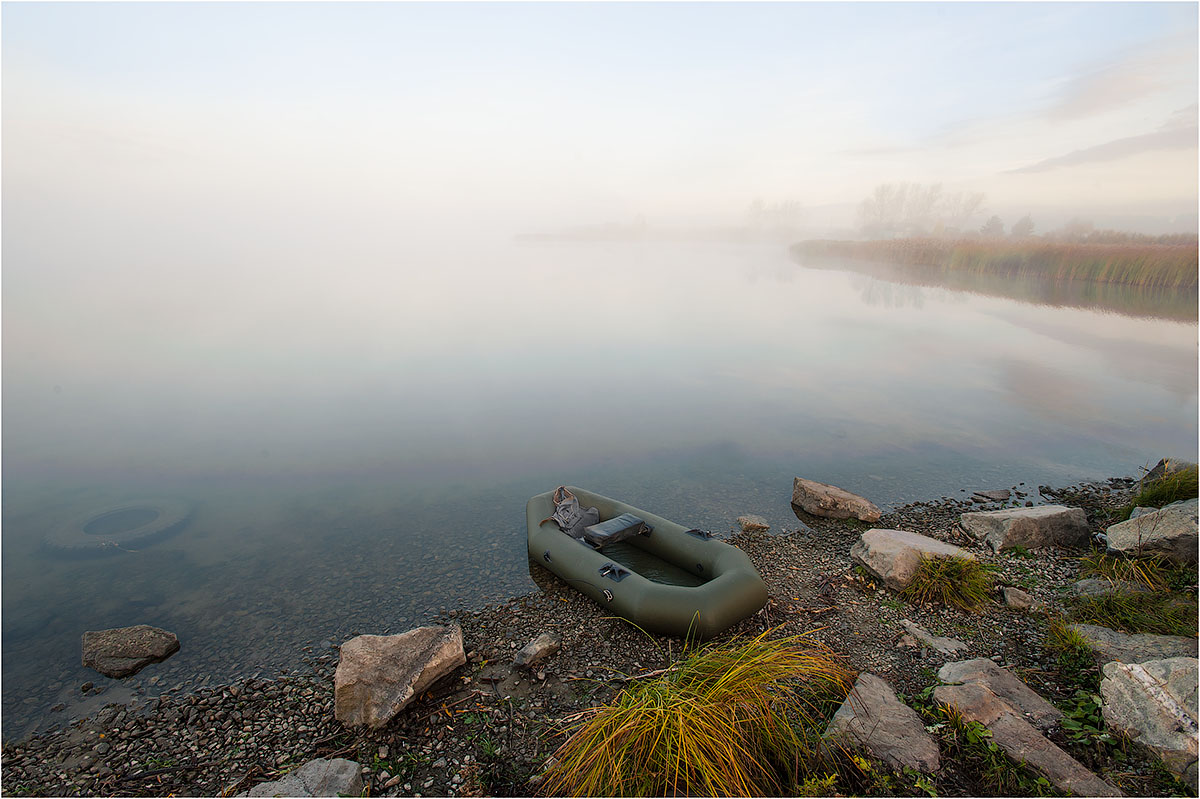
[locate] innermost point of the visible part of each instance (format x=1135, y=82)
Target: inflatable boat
x=721, y=586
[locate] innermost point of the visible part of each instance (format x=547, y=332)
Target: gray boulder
x=379, y=675
x=1109, y=645
x=889, y=730
x=1102, y=586
x=1170, y=532
x=537, y=651
x=893, y=555
x=122, y=651
x=1005, y=685
x=1164, y=468
x=320, y=777
x=1017, y=599
x=1042, y=526
x=1020, y=740
x=822, y=499
x=1155, y=703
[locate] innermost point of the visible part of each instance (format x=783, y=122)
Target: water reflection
x=359, y=445
x=1158, y=303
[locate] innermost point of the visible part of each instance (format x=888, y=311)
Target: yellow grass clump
x=740, y=718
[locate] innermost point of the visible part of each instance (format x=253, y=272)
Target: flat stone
x=378, y=675
x=1004, y=684
x=320, y=777
x=947, y=646
x=122, y=651
x=1109, y=645
x=1020, y=740
x=1155, y=703
x=1103, y=586
x=999, y=495
x=893, y=555
x=753, y=524
x=1045, y=525
x=1016, y=598
x=889, y=730
x=1170, y=531
x=537, y=650
x=831, y=502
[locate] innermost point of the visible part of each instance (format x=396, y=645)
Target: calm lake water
x=357, y=440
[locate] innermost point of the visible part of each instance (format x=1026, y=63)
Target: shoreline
x=489, y=728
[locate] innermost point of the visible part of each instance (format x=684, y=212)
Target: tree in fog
x=993, y=228
x=1022, y=228
x=774, y=216
x=915, y=210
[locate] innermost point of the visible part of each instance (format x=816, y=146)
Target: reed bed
x=741, y=718
x=1170, y=266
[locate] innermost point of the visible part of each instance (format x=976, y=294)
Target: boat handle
x=705, y=534
x=546, y=555
x=608, y=595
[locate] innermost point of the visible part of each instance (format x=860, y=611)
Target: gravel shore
x=490, y=728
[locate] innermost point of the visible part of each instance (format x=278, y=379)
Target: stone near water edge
x=999, y=495
x=1020, y=740
x=1005, y=685
x=753, y=524
x=893, y=555
x=1109, y=645
x=831, y=502
x=889, y=730
x=320, y=777
x=122, y=651
x=1155, y=704
x=1164, y=468
x=379, y=675
x=537, y=651
x=946, y=646
x=1045, y=525
x=1103, y=586
x=1170, y=531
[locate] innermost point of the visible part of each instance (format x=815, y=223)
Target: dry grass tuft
x=741, y=718
x=959, y=582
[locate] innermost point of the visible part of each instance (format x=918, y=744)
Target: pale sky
x=243, y=120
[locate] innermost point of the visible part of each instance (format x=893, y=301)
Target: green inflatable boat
x=636, y=574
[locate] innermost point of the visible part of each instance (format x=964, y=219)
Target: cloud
x=1126, y=78
x=1180, y=132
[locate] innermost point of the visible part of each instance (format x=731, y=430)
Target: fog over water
x=267, y=261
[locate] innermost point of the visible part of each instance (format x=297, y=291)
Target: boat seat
x=615, y=529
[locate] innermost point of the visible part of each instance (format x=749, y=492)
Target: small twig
x=155, y=772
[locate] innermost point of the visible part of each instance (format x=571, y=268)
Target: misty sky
x=256, y=119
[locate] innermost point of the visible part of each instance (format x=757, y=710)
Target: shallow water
x=357, y=441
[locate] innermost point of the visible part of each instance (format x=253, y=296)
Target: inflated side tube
x=733, y=591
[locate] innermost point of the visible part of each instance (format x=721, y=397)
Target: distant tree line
x=914, y=210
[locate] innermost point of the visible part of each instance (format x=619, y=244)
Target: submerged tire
x=120, y=527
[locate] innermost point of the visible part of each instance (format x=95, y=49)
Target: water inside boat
x=650, y=566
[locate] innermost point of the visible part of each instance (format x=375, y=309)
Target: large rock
x=893, y=555
x=1164, y=468
x=1170, y=532
x=122, y=651
x=889, y=730
x=1020, y=740
x=1005, y=685
x=1155, y=703
x=378, y=675
x=1046, y=525
x=1109, y=645
x=320, y=777
x=822, y=499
